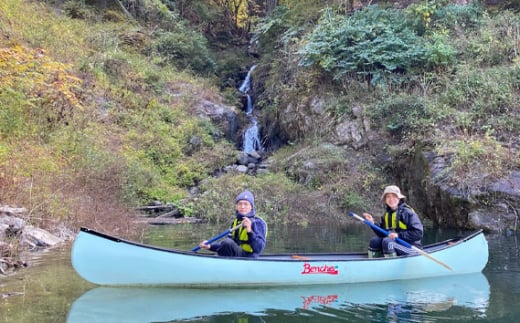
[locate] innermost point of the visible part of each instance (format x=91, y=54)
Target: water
x=50, y=291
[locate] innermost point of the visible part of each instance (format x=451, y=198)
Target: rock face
x=225, y=117
x=486, y=203
x=354, y=131
x=502, y=213
x=491, y=205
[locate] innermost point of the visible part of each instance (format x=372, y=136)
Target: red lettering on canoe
x=324, y=269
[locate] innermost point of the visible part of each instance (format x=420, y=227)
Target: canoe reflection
x=111, y=304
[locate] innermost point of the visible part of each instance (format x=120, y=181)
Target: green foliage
x=400, y=114
x=421, y=13
x=452, y=16
x=160, y=137
x=142, y=182
x=269, y=29
x=496, y=42
x=439, y=53
x=370, y=43
x=77, y=10
x=474, y=157
x=112, y=126
x=187, y=49
x=271, y=191
x=13, y=123
x=384, y=46
x=286, y=25
x=485, y=98
x=352, y=200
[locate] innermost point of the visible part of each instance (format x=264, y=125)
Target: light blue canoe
x=106, y=260
x=464, y=294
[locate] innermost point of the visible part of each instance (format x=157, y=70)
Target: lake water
x=50, y=291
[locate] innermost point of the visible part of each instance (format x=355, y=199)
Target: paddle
x=215, y=238
x=399, y=240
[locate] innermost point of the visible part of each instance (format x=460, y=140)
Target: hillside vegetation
x=99, y=102
x=434, y=76
x=90, y=125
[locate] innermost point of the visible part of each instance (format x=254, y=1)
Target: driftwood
x=9, y=294
x=166, y=220
x=160, y=207
x=8, y=264
x=171, y=215
x=156, y=209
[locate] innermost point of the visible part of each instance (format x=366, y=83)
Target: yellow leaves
x=32, y=72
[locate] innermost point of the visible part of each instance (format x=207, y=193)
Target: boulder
x=34, y=237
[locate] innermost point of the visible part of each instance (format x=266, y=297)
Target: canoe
x=466, y=295
x=106, y=260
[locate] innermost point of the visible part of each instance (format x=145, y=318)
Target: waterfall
x=246, y=85
x=252, y=134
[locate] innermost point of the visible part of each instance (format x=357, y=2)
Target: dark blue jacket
x=256, y=238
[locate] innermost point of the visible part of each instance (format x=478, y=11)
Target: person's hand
x=368, y=217
x=246, y=222
x=204, y=244
x=393, y=235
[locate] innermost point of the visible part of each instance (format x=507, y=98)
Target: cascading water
x=252, y=134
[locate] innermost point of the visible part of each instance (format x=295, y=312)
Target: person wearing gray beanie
x=249, y=239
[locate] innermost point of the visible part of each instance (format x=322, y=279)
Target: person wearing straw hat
x=400, y=220
x=250, y=237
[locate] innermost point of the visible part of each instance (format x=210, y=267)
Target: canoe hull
x=110, y=261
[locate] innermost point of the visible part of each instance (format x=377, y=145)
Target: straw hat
x=394, y=190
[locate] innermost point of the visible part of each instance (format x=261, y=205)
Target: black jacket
x=414, y=228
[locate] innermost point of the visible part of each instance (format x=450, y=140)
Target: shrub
x=273, y=195
x=495, y=42
x=485, y=98
x=453, y=16
x=477, y=157
x=185, y=49
x=370, y=43
x=400, y=114
x=439, y=53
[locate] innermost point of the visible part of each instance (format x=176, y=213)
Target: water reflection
x=398, y=299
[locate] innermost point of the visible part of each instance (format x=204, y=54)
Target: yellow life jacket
x=242, y=236
x=391, y=221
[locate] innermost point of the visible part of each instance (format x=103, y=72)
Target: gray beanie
x=246, y=196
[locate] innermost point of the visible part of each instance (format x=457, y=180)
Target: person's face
x=244, y=207
x=392, y=200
